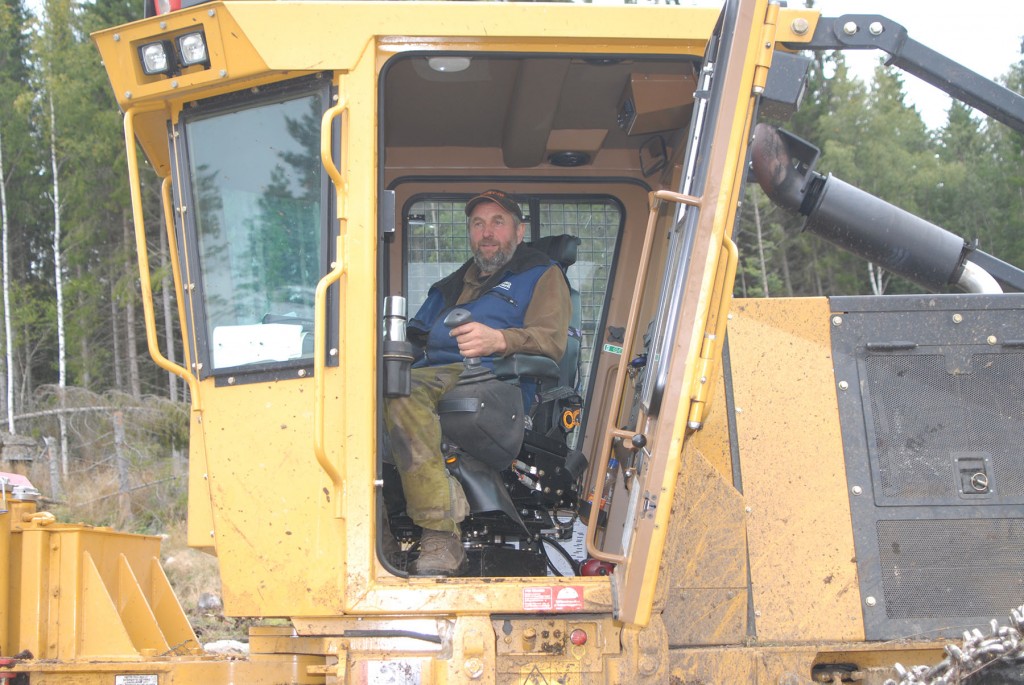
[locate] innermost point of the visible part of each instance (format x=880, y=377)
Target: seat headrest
x=560, y=248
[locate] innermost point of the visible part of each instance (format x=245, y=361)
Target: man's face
x=493, y=236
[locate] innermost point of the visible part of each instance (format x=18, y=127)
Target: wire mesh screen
x=437, y=244
x=927, y=409
x=944, y=569
x=596, y=224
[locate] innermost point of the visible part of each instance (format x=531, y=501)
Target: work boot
x=441, y=554
x=390, y=548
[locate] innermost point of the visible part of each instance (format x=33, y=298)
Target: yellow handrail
x=334, y=471
x=143, y=259
x=172, y=256
x=338, y=176
x=713, y=343
x=611, y=431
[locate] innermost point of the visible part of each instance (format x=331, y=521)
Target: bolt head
x=837, y=321
x=474, y=667
x=800, y=26
x=850, y=28
x=958, y=318
x=875, y=28
x=871, y=601
x=117, y=37
x=856, y=489
x=992, y=340
x=843, y=385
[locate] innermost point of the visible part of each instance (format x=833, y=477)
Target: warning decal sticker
x=553, y=598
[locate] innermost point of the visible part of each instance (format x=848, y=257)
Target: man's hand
x=477, y=340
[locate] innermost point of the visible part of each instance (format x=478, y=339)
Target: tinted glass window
x=256, y=182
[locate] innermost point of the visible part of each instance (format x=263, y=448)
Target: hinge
x=765, y=49
x=702, y=382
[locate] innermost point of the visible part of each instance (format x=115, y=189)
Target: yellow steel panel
x=100, y=630
x=251, y=42
x=719, y=665
x=29, y=591
x=276, y=537
x=799, y=529
x=199, y=531
x=712, y=440
x=316, y=45
x=136, y=615
x=705, y=563
x=169, y=614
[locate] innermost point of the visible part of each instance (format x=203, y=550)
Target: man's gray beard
x=489, y=266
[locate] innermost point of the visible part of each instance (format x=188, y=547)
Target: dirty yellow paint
x=802, y=560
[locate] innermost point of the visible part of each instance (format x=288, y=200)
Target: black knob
x=639, y=441
x=457, y=317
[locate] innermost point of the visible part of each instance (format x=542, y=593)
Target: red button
x=578, y=637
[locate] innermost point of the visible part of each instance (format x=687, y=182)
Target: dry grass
x=192, y=574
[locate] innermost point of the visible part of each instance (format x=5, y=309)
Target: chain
x=1004, y=644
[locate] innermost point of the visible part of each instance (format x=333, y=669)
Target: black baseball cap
x=498, y=197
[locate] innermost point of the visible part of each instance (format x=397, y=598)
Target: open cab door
x=668, y=384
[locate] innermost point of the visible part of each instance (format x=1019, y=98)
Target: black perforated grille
x=927, y=408
x=941, y=569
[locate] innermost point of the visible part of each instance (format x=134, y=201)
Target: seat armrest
x=533, y=366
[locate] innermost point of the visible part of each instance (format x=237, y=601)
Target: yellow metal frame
x=86, y=593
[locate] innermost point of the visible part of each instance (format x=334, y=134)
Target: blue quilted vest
x=501, y=304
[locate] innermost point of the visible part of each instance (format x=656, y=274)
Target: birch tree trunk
x=129, y=323
x=876, y=275
x=58, y=267
x=8, y=337
x=165, y=291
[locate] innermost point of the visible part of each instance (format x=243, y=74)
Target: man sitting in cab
x=520, y=303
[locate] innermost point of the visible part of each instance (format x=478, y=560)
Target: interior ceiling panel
x=425, y=108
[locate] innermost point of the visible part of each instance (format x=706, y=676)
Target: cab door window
x=259, y=199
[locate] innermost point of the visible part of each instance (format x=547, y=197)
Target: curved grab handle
x=333, y=471
x=143, y=258
x=337, y=176
x=712, y=349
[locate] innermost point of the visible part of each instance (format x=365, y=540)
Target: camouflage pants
x=433, y=498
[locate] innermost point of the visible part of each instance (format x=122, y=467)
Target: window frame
x=187, y=232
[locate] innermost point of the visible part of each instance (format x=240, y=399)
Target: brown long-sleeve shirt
x=546, y=322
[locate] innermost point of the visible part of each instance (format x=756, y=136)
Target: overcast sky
x=983, y=35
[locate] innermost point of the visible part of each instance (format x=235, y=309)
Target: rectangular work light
x=192, y=49
x=156, y=58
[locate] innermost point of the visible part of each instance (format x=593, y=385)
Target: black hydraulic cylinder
x=853, y=219
x=886, y=235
